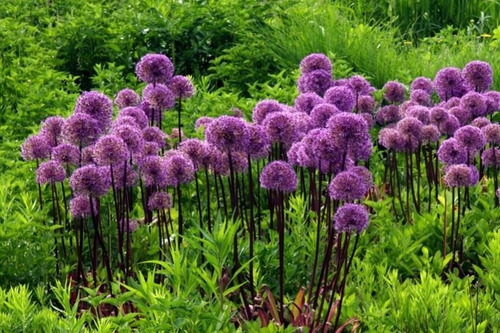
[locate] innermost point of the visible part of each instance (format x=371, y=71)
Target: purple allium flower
x=430, y=133
x=359, y=85
x=263, y=108
x=452, y=102
x=449, y=83
x=90, y=180
x=302, y=122
x=306, y=157
x=394, y=92
x=158, y=96
x=151, y=112
x=342, y=97
x=314, y=62
x=154, y=68
x=306, y=102
x=281, y=127
x=258, y=143
x=362, y=152
x=127, y=97
x=370, y=122
x=148, y=149
x=351, y=218
x=405, y=106
x=473, y=103
x=459, y=175
x=79, y=207
x=450, y=125
x=181, y=87
x=98, y=106
x=318, y=81
x=197, y=151
x=422, y=83
x=131, y=136
x=110, y=150
x=388, y=114
x=66, y=153
x=492, y=133
x=137, y=113
x=347, y=186
x=159, y=201
x=438, y=115
x=218, y=161
x=321, y=113
x=420, y=97
x=461, y=114
x=35, y=147
x=278, y=176
x=52, y=129
x=123, y=177
x=348, y=130
x=421, y=113
x=365, y=175
x=478, y=75
x=50, y=172
x=88, y=155
x=227, y=133
x=366, y=104
x=152, y=171
x=490, y=157
x=176, y=134
x=80, y=129
x=292, y=153
x=410, y=129
x=178, y=169
x=470, y=137
x=125, y=120
x=240, y=161
x=391, y=139
x=131, y=226
x=341, y=83
x=236, y=112
x=450, y=152
x=287, y=108
x=154, y=134
x=492, y=101
x=202, y=122
x=480, y=122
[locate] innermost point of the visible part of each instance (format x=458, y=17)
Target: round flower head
x=98, y=106
x=480, y=122
x=347, y=186
x=492, y=133
x=366, y=104
x=158, y=96
x=127, y=97
x=178, y=169
x=438, y=115
x=52, y=129
x=80, y=129
x=391, y=139
x=364, y=174
x=421, y=113
x=202, y=122
x=451, y=103
x=196, y=150
x=449, y=83
x=123, y=177
x=263, y=108
x=450, y=152
x=302, y=122
x=154, y=68
x=152, y=171
x=88, y=155
x=151, y=112
x=110, y=150
x=420, y=97
x=461, y=114
x=318, y=82
x=131, y=136
x=159, y=201
x=314, y=62
x=458, y=175
x=359, y=85
x=478, y=75
x=342, y=97
x=321, y=113
x=136, y=113
x=227, y=133
x=388, y=114
x=430, y=133
x=341, y=83
x=35, y=147
x=66, y=154
x=90, y=180
x=218, y=161
x=351, y=218
x=181, y=87
x=491, y=157
x=278, y=176
x=405, y=106
x=148, y=149
x=470, y=137
x=79, y=207
x=492, y=101
x=450, y=125
x=394, y=92
x=235, y=112
x=154, y=134
x=258, y=142
x=422, y=83
x=348, y=130
x=410, y=129
x=292, y=153
x=131, y=226
x=474, y=104
x=306, y=102
x=281, y=127
x=125, y=120
x=50, y=172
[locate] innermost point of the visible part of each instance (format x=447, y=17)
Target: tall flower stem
x=452, y=240
x=207, y=184
x=54, y=214
x=179, y=205
x=281, y=249
x=251, y=226
x=179, y=109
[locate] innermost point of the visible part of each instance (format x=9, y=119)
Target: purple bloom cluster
x=351, y=218
x=227, y=134
x=154, y=68
x=278, y=176
x=90, y=180
x=50, y=172
x=127, y=97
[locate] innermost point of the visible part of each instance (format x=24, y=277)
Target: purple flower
x=292, y=153
x=461, y=114
x=473, y=103
x=281, y=127
x=110, y=150
x=80, y=129
x=154, y=134
x=80, y=207
x=35, y=147
x=158, y=96
x=178, y=169
x=151, y=112
x=227, y=133
x=411, y=131
x=129, y=226
x=218, y=161
x=154, y=68
x=438, y=115
x=470, y=137
x=125, y=120
x=202, y=122
x=66, y=153
x=370, y=122
x=342, y=97
x=306, y=102
x=422, y=83
x=152, y=171
x=278, y=176
x=430, y=133
x=492, y=133
x=159, y=201
x=451, y=103
x=391, y=139
x=364, y=174
x=321, y=113
x=420, y=97
x=314, y=62
x=480, y=122
x=492, y=101
x=348, y=130
x=491, y=157
x=421, y=113
x=359, y=85
x=123, y=177
x=88, y=155
x=347, y=186
x=449, y=83
x=127, y=97
x=148, y=149
x=351, y=218
x=98, y=106
x=258, y=142
x=450, y=125
x=181, y=87
x=235, y=112
x=263, y=108
x=388, y=114
x=478, y=75
x=302, y=123
x=394, y=92
x=136, y=113
x=318, y=81
x=50, y=172
x=90, y=180
x=450, y=152
x=459, y=175
x=52, y=129
x=197, y=151
x=366, y=104
x=131, y=136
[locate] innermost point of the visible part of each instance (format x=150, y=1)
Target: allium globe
x=110, y=150
x=35, y=147
x=50, y=172
x=127, y=97
x=351, y=218
x=314, y=62
x=136, y=113
x=478, y=75
x=279, y=176
x=181, y=87
x=158, y=96
x=98, y=106
x=154, y=68
x=306, y=102
x=342, y=97
x=90, y=180
x=394, y=92
x=160, y=201
x=263, y=108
